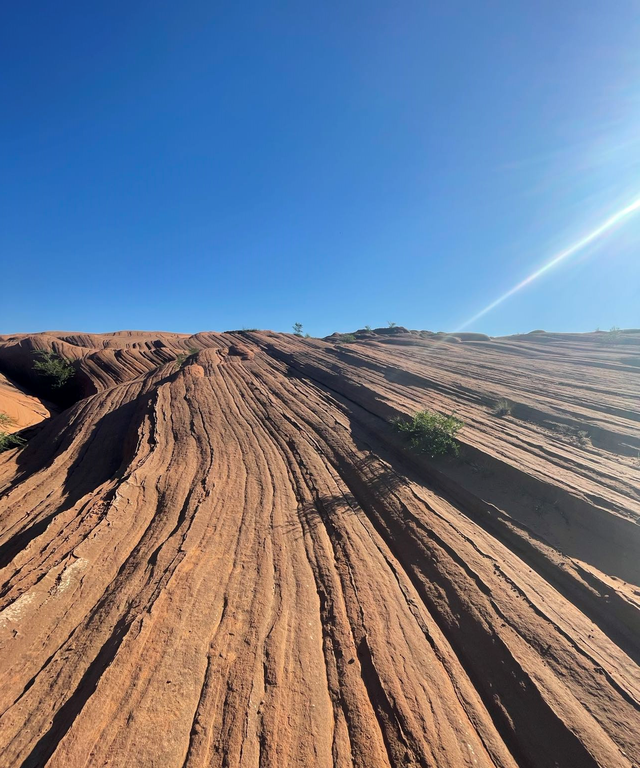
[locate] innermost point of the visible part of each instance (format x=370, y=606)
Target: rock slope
x=236, y=562
x=20, y=409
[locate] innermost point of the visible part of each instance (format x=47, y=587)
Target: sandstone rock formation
x=237, y=562
x=20, y=408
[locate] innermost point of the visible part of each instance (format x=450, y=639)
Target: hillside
x=237, y=561
x=22, y=409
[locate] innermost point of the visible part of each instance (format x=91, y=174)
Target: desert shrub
x=347, y=338
x=8, y=441
x=56, y=368
x=6, y=420
x=582, y=437
x=431, y=433
x=367, y=328
x=573, y=435
x=502, y=408
x=614, y=336
x=391, y=324
x=182, y=358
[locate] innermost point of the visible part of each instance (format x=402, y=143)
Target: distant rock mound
x=395, y=330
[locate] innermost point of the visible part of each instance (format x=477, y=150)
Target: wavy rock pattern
x=22, y=409
x=236, y=563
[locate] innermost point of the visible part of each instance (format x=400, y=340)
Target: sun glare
x=578, y=246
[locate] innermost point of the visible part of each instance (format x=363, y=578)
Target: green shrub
x=8, y=441
x=614, y=336
x=182, y=358
x=503, y=408
x=573, y=435
x=431, y=433
x=582, y=437
x=297, y=329
x=347, y=338
x=56, y=368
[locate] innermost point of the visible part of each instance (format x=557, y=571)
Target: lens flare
x=573, y=249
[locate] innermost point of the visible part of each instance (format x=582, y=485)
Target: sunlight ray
x=603, y=229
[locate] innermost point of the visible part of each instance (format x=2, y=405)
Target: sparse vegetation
x=367, y=327
x=573, y=435
x=503, y=408
x=348, y=338
x=391, y=324
x=431, y=433
x=582, y=437
x=182, y=358
x=8, y=441
x=615, y=335
x=54, y=367
x=297, y=329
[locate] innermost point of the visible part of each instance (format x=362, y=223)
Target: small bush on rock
x=182, y=358
x=8, y=441
x=56, y=368
x=503, y=408
x=431, y=433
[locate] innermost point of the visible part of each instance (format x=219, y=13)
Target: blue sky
x=210, y=166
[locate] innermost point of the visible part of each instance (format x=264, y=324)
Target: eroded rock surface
x=20, y=409
x=236, y=562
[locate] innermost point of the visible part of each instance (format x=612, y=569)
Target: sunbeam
x=573, y=249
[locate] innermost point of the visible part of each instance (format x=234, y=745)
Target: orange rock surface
x=238, y=562
x=22, y=409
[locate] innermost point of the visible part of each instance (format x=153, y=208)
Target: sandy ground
x=237, y=562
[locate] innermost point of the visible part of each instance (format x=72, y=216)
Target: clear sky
x=216, y=165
